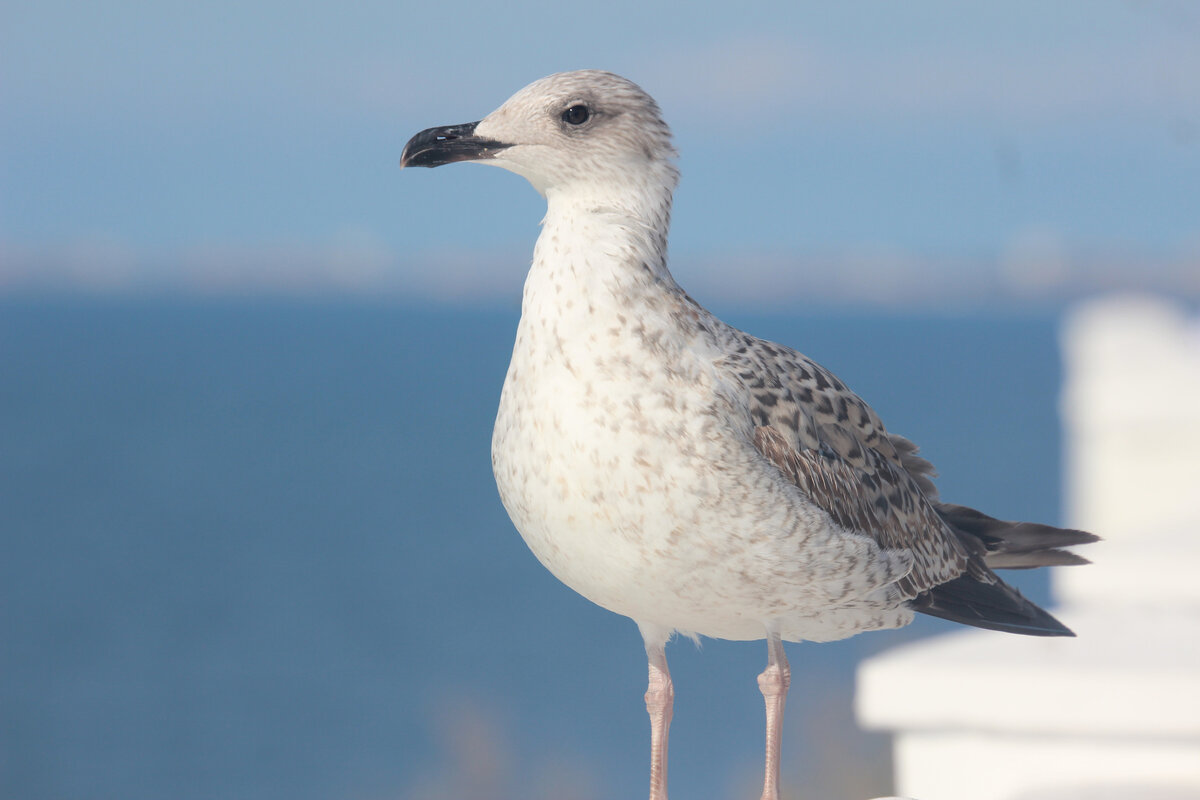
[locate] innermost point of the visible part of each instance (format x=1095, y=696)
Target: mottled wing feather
x=917, y=467
x=833, y=446
x=876, y=503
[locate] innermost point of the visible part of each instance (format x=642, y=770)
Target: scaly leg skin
x=773, y=683
x=660, y=697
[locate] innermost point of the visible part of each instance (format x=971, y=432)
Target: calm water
x=253, y=550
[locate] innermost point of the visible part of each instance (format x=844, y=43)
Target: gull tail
x=978, y=597
x=1013, y=545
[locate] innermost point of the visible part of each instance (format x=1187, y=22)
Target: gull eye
x=576, y=115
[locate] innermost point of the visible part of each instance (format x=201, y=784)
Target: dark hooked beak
x=445, y=145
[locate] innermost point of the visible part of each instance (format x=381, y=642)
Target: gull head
x=575, y=129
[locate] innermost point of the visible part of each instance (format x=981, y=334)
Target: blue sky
x=233, y=144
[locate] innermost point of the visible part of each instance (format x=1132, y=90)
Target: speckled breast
x=604, y=469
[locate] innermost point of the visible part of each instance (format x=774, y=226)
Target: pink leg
x=660, y=697
x=773, y=683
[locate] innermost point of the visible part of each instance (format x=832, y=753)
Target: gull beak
x=447, y=144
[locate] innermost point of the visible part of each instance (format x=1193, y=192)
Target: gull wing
x=833, y=446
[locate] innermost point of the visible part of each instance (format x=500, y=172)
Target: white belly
x=634, y=490
x=595, y=479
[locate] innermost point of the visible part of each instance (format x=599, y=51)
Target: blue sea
x=252, y=549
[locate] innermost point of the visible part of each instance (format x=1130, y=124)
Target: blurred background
x=251, y=547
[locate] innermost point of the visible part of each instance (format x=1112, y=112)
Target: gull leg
x=773, y=683
x=660, y=697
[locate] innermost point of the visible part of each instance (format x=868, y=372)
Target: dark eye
x=576, y=115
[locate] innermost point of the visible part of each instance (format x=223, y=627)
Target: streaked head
x=587, y=126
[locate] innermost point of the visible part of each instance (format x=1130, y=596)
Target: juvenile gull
x=683, y=473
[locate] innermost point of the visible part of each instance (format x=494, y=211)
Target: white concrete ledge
x=1098, y=684
x=1115, y=713
x=1153, y=570
x=988, y=766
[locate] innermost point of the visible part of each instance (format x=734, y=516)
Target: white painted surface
x=1131, y=416
x=1102, y=682
x=970, y=765
x=1151, y=574
x=1114, y=713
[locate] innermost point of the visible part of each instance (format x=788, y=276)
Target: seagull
x=680, y=472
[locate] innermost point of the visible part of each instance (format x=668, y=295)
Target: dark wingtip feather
x=1045, y=558
x=995, y=606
